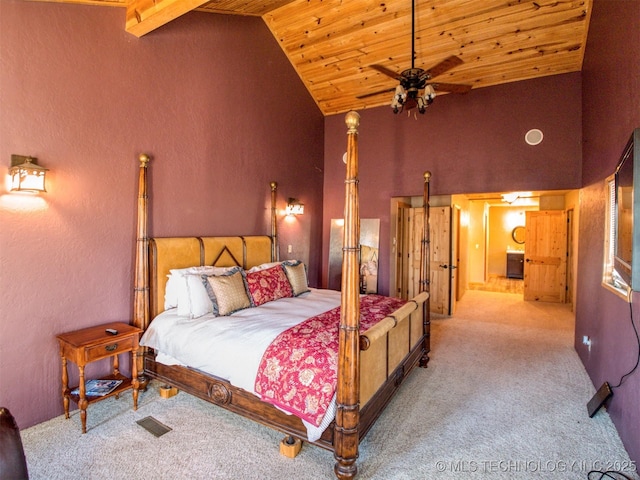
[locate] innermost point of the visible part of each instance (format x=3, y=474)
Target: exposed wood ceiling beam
x=144, y=16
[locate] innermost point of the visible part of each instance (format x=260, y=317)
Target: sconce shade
x=26, y=175
x=509, y=197
x=294, y=207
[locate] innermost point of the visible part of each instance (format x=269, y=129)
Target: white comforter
x=232, y=347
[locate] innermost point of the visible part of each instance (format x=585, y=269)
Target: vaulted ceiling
x=333, y=43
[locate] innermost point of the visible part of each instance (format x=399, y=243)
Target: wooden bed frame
x=371, y=365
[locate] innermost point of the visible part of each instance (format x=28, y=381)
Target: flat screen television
x=627, y=213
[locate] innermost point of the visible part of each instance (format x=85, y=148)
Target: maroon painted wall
x=213, y=96
x=471, y=143
x=611, y=110
x=216, y=103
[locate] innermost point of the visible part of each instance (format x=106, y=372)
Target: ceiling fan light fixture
x=429, y=94
x=413, y=80
x=399, y=97
x=426, y=99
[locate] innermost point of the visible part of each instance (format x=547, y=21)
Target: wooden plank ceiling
x=333, y=43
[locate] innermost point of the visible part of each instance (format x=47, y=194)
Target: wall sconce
x=26, y=175
x=294, y=207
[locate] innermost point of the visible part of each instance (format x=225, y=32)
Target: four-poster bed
x=370, y=364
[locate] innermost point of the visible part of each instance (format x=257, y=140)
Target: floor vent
x=154, y=426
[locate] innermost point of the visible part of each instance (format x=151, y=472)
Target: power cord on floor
x=635, y=330
x=607, y=474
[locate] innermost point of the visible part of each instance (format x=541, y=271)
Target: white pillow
x=177, y=285
x=264, y=266
x=194, y=301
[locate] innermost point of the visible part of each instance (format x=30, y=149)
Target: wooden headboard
x=168, y=253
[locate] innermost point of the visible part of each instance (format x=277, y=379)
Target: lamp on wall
x=26, y=175
x=294, y=207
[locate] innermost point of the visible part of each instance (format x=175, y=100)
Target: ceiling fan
x=407, y=94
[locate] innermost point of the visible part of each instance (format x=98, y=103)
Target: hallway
x=498, y=283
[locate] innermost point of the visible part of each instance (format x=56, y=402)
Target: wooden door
x=403, y=246
x=454, y=264
x=410, y=224
x=545, y=265
x=461, y=241
x=441, y=275
x=570, y=258
x=410, y=229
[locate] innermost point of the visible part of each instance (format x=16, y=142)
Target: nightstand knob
x=111, y=348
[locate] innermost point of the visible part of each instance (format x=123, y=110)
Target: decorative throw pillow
x=297, y=275
x=268, y=285
x=228, y=293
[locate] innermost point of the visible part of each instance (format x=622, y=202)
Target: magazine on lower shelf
x=98, y=388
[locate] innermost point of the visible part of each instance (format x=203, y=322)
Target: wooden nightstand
x=92, y=344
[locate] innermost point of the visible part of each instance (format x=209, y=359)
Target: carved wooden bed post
x=348, y=386
x=141, y=280
x=425, y=255
x=275, y=251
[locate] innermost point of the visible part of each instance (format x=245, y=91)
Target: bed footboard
x=388, y=352
x=220, y=392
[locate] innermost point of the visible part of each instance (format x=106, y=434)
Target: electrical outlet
x=289, y=248
x=587, y=341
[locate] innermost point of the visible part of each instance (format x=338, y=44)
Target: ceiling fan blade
x=451, y=87
x=366, y=95
x=444, y=66
x=386, y=71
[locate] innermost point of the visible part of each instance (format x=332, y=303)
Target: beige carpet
x=504, y=397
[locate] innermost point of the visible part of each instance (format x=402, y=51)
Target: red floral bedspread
x=298, y=371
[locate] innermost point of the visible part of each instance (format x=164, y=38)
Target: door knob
x=444, y=266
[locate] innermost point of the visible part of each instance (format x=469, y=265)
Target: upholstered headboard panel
x=169, y=253
x=223, y=251
x=257, y=249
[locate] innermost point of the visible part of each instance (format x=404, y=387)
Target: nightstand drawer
x=113, y=347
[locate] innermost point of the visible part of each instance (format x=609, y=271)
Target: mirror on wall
x=518, y=234
x=369, y=254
